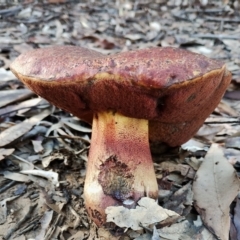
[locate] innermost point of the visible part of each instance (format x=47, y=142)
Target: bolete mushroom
x=164, y=94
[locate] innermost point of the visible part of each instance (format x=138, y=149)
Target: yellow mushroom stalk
x=120, y=165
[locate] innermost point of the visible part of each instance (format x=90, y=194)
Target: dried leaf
x=45, y=222
x=19, y=129
x=77, y=220
x=55, y=156
x=16, y=176
x=193, y=145
x=6, y=75
x=215, y=187
x=224, y=108
x=146, y=236
x=78, y=236
x=37, y=146
x=54, y=127
x=21, y=107
x=21, y=48
x=5, y=152
x=10, y=96
x=233, y=95
x=233, y=142
x=185, y=230
x=185, y=170
x=176, y=231
x=181, y=199
x=209, y=132
x=146, y=213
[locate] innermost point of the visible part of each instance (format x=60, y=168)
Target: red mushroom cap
x=173, y=88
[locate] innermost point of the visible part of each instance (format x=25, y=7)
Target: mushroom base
x=120, y=166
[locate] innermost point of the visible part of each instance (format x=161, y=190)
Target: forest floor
x=43, y=150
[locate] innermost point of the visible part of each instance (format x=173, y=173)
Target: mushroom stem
x=120, y=166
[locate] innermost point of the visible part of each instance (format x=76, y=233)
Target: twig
x=217, y=122
x=212, y=10
x=82, y=150
x=213, y=36
x=52, y=228
x=179, y=16
x=220, y=19
x=27, y=229
x=31, y=225
x=7, y=186
x=17, y=225
x=69, y=137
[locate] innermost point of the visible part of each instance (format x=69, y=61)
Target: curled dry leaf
x=76, y=126
x=146, y=213
x=215, y=187
x=54, y=127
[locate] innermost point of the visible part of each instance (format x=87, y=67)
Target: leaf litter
x=215, y=187
x=139, y=217
x=43, y=150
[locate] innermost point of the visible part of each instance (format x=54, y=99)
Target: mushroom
x=161, y=94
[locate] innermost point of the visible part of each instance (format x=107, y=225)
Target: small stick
x=213, y=10
x=30, y=227
x=213, y=36
x=218, y=19
x=7, y=186
x=218, y=122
